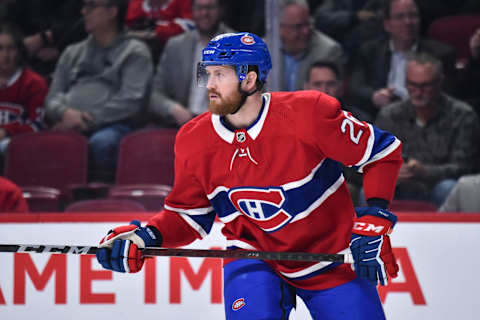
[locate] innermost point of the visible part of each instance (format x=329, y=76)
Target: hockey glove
x=370, y=245
x=120, y=248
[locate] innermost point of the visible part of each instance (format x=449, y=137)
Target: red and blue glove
x=120, y=250
x=370, y=245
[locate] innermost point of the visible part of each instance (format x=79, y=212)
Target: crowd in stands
x=107, y=68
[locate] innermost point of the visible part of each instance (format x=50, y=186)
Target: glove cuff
x=150, y=236
x=376, y=212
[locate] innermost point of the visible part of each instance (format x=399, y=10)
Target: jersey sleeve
x=358, y=144
x=188, y=214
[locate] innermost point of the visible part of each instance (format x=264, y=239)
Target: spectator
x=325, y=76
x=22, y=91
x=49, y=26
x=465, y=196
x=378, y=76
x=11, y=197
x=439, y=133
x=175, y=98
x=155, y=21
x=100, y=84
x=302, y=45
x=349, y=22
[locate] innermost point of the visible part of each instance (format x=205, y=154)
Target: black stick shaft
x=196, y=253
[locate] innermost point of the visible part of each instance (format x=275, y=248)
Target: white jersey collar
x=253, y=131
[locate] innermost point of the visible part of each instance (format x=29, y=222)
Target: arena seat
x=105, y=205
x=455, y=31
x=152, y=196
x=52, y=159
x=43, y=199
x=146, y=157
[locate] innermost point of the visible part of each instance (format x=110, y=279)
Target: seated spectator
x=301, y=45
x=155, y=21
x=49, y=27
x=439, y=133
x=351, y=23
x=465, y=196
x=100, y=84
x=22, y=91
x=325, y=76
x=11, y=197
x=378, y=76
x=175, y=96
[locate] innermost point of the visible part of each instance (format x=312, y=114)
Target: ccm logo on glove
x=371, y=226
x=362, y=226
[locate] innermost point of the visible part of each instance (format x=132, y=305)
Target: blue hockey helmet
x=239, y=50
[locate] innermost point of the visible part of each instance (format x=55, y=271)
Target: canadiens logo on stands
x=246, y=39
x=237, y=304
x=262, y=206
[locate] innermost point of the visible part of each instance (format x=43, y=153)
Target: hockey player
x=267, y=166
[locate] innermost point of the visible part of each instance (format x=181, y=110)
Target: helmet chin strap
x=245, y=95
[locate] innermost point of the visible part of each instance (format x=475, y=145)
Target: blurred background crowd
x=93, y=91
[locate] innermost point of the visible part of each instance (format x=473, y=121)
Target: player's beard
x=223, y=106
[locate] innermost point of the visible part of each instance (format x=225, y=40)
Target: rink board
x=438, y=256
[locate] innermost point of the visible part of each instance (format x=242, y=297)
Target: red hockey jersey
x=21, y=102
x=277, y=185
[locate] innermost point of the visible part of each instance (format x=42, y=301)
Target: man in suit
x=301, y=45
x=379, y=71
x=175, y=97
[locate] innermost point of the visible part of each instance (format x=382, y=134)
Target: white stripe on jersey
x=301, y=182
x=230, y=217
x=334, y=187
x=192, y=212
x=217, y=190
x=193, y=224
x=313, y=268
x=382, y=154
x=240, y=244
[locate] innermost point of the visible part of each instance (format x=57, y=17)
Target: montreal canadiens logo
x=246, y=39
x=237, y=304
x=261, y=206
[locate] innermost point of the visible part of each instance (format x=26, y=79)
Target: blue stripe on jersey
x=300, y=198
x=204, y=221
x=296, y=199
x=382, y=140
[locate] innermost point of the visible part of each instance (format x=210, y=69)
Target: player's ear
x=250, y=81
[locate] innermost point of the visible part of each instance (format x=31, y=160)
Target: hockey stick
x=197, y=253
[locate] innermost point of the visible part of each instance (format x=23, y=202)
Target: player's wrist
x=378, y=202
